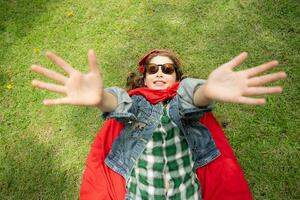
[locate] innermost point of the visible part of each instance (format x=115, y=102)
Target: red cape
x=222, y=179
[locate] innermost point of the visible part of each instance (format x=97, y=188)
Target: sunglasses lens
x=168, y=68
x=152, y=68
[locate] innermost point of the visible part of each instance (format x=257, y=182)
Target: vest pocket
x=136, y=128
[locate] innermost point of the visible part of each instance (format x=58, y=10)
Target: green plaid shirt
x=165, y=168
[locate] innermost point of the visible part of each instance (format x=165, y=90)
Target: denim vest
x=140, y=118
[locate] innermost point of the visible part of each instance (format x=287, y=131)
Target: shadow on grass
x=27, y=171
x=17, y=18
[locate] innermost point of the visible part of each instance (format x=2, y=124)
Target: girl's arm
x=226, y=85
x=79, y=89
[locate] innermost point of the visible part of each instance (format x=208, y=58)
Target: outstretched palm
x=226, y=85
x=78, y=88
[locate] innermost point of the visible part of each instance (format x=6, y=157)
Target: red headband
x=144, y=58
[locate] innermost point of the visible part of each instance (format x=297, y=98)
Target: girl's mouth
x=159, y=81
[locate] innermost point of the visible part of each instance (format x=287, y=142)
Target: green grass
x=43, y=149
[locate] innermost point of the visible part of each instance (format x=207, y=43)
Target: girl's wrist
x=200, y=96
x=107, y=103
x=205, y=98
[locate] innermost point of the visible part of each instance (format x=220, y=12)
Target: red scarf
x=155, y=96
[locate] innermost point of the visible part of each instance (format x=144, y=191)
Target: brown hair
x=136, y=80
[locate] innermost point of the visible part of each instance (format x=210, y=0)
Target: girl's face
x=160, y=80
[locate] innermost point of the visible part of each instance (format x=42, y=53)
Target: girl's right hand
x=79, y=89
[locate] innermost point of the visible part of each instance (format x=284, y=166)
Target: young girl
x=157, y=143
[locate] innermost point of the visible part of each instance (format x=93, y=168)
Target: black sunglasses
x=167, y=68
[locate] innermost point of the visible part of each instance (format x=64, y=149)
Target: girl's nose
x=159, y=72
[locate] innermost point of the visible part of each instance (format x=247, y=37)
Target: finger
x=49, y=74
x=262, y=80
x=60, y=101
x=93, y=61
x=255, y=91
x=48, y=86
x=236, y=61
x=60, y=62
x=252, y=101
x=261, y=68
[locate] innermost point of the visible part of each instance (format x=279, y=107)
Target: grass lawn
x=43, y=149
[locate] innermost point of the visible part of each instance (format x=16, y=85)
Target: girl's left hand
x=226, y=85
